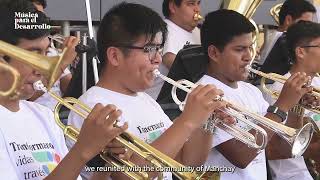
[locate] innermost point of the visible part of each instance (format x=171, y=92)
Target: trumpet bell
x=47, y=66
x=301, y=141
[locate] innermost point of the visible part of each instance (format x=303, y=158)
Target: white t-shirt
x=144, y=115
x=46, y=99
x=294, y=168
x=177, y=38
x=249, y=97
x=31, y=144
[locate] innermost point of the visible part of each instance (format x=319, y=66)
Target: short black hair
x=295, y=8
x=221, y=26
x=125, y=23
x=165, y=6
x=9, y=33
x=43, y=3
x=301, y=34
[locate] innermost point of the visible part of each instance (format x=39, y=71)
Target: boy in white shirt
x=303, y=40
x=130, y=51
x=226, y=38
x=182, y=30
x=32, y=146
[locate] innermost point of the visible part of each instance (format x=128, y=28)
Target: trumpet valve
x=218, y=98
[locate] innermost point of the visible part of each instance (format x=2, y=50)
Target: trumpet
x=281, y=79
x=149, y=153
x=12, y=91
x=138, y=146
x=299, y=139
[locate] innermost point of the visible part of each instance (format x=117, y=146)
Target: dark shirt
x=278, y=58
x=190, y=64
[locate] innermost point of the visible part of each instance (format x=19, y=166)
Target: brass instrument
x=246, y=8
x=299, y=139
x=149, y=153
x=12, y=91
x=48, y=66
x=197, y=17
x=144, y=150
x=281, y=79
x=274, y=12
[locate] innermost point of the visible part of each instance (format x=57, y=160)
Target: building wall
x=75, y=10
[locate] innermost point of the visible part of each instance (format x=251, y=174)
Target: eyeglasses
x=150, y=49
x=310, y=46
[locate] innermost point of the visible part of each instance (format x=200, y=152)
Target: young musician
x=32, y=146
x=226, y=37
x=129, y=52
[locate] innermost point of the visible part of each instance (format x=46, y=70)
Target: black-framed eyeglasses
x=150, y=49
x=310, y=46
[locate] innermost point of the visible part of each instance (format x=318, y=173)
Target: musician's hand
x=115, y=147
x=98, y=130
x=201, y=104
x=310, y=100
x=226, y=118
x=293, y=90
x=70, y=55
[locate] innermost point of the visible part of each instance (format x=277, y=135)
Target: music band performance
x=191, y=92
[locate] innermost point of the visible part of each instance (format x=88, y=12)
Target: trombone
x=281, y=79
x=48, y=66
x=299, y=139
x=12, y=91
x=149, y=153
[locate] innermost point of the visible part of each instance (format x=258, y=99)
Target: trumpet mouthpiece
x=197, y=17
x=248, y=68
x=156, y=72
x=39, y=86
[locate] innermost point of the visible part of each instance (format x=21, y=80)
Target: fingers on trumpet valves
x=116, y=148
x=298, y=83
x=225, y=117
x=310, y=100
x=106, y=116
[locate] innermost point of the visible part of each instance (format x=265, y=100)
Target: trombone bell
x=47, y=66
x=9, y=72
